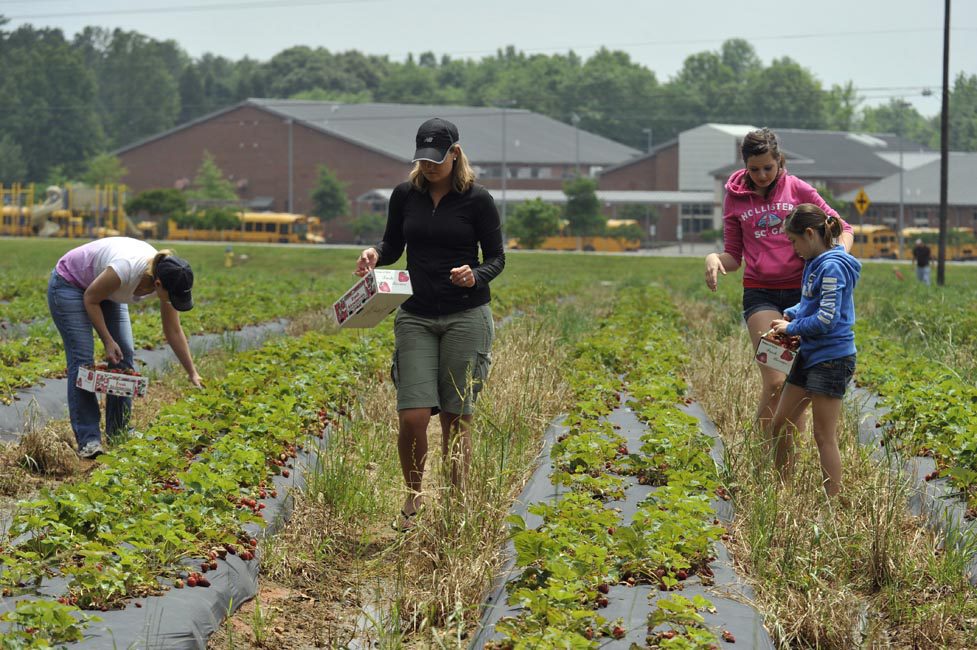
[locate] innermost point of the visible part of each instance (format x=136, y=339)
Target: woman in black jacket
x=444, y=331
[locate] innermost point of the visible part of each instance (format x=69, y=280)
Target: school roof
x=922, y=184
x=841, y=154
x=531, y=138
x=609, y=197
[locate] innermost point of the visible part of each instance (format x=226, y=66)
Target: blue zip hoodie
x=825, y=315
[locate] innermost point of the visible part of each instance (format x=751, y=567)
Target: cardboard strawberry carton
x=777, y=351
x=372, y=298
x=112, y=382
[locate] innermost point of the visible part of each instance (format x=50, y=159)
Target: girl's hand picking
x=779, y=326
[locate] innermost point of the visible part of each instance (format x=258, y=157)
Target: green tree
x=13, y=169
x=900, y=117
x=137, y=86
x=210, y=183
x=841, y=207
x=104, y=169
x=963, y=113
x=611, y=97
x=369, y=226
x=219, y=218
x=582, y=209
x=159, y=203
x=785, y=95
x=47, y=100
x=193, y=102
x=329, y=196
x=532, y=222
x=840, y=104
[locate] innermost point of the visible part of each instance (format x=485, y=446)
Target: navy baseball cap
x=176, y=276
x=434, y=139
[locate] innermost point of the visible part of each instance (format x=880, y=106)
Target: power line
x=257, y=4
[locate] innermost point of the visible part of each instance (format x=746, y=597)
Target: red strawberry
x=178, y=584
x=728, y=637
x=285, y=473
x=618, y=632
x=603, y=587
x=192, y=581
x=602, y=602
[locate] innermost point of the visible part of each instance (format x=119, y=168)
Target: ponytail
x=808, y=215
x=160, y=256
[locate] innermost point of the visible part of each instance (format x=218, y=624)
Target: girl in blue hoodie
x=823, y=319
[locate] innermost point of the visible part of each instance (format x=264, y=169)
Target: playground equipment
x=75, y=210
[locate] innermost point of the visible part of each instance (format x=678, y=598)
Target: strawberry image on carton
x=108, y=382
x=777, y=352
x=372, y=298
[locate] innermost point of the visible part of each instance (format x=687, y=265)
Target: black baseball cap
x=176, y=276
x=434, y=139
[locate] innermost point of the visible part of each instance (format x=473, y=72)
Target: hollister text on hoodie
x=753, y=228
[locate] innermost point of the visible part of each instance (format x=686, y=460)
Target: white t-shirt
x=128, y=257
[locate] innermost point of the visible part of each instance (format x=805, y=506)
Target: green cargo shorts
x=441, y=363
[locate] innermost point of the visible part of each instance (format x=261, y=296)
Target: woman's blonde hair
x=462, y=174
x=151, y=269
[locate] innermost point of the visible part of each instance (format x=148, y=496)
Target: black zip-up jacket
x=440, y=239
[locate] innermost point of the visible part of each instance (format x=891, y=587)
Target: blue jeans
x=67, y=305
x=923, y=274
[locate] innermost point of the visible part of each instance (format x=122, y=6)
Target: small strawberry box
x=98, y=380
x=372, y=298
x=777, y=353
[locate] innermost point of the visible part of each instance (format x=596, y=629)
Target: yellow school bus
x=874, y=241
x=267, y=227
x=961, y=244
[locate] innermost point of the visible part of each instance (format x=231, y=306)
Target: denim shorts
x=826, y=378
x=442, y=363
x=777, y=300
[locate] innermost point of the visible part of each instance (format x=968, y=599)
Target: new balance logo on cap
x=434, y=139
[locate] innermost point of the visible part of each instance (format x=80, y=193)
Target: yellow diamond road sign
x=861, y=201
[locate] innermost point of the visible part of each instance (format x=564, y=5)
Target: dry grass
x=423, y=588
x=856, y=571
x=49, y=451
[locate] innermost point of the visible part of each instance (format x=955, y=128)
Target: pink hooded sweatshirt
x=753, y=227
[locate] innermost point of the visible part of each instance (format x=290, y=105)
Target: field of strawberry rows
x=261, y=287
x=189, y=490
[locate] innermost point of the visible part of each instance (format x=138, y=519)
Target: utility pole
x=944, y=145
x=576, y=128
x=903, y=106
x=291, y=197
x=648, y=133
x=504, y=104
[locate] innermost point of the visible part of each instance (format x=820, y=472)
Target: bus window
x=248, y=227
x=283, y=229
x=269, y=227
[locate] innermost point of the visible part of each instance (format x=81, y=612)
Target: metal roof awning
x=607, y=197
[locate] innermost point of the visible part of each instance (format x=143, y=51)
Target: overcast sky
x=885, y=47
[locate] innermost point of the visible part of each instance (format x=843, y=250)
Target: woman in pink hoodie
x=758, y=200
